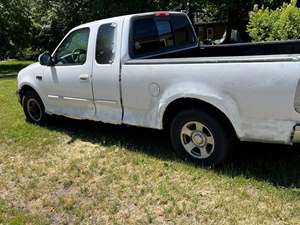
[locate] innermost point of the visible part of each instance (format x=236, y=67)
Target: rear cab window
x=152, y=35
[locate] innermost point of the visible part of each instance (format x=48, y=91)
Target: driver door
x=68, y=82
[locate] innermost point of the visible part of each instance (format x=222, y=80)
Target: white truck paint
x=256, y=93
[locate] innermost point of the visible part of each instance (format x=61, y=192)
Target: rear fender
x=222, y=101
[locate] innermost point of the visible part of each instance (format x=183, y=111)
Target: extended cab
x=148, y=70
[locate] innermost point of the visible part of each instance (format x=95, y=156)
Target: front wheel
x=33, y=108
x=196, y=135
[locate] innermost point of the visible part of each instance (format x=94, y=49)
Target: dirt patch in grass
x=83, y=182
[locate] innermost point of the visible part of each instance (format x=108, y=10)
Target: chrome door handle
x=84, y=77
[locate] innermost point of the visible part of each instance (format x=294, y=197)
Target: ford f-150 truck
x=148, y=70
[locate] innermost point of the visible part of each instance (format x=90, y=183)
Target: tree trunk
x=229, y=26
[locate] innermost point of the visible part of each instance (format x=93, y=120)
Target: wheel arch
x=177, y=105
x=27, y=87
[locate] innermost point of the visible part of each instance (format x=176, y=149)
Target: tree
x=53, y=19
x=281, y=24
x=234, y=11
x=14, y=26
x=39, y=25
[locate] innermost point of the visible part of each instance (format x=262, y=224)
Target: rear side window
x=105, y=49
x=152, y=35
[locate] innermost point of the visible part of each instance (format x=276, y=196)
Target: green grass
x=81, y=172
x=9, y=68
x=12, y=216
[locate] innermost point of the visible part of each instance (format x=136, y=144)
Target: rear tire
x=201, y=138
x=33, y=108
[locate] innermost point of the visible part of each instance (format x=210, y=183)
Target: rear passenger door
x=106, y=72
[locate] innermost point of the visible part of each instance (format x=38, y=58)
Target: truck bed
x=241, y=49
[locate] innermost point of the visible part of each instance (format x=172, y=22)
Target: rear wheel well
x=190, y=103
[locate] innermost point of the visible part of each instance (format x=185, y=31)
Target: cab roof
x=157, y=13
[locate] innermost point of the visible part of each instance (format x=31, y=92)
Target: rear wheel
x=197, y=136
x=33, y=108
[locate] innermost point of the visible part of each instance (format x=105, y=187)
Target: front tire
x=33, y=108
x=197, y=136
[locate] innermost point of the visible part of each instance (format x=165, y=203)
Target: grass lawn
x=9, y=68
x=81, y=172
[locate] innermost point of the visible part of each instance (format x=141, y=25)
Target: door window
x=106, y=39
x=73, y=50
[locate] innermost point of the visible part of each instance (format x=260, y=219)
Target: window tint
x=73, y=50
x=145, y=36
x=182, y=29
x=158, y=34
x=105, y=49
x=165, y=34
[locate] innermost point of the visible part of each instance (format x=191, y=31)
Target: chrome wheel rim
x=34, y=110
x=197, y=140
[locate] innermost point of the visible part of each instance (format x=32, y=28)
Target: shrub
x=27, y=54
x=280, y=24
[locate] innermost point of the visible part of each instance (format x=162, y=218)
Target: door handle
x=39, y=77
x=84, y=77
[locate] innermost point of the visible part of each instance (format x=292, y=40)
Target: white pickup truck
x=148, y=70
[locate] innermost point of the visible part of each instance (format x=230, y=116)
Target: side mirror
x=45, y=59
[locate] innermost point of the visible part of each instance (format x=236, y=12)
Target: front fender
x=222, y=101
x=27, y=77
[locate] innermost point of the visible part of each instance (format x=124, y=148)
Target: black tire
x=213, y=131
x=31, y=100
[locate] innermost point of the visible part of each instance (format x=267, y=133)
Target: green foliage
x=15, y=26
x=280, y=24
x=13, y=216
x=53, y=19
x=29, y=27
x=9, y=68
x=260, y=24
